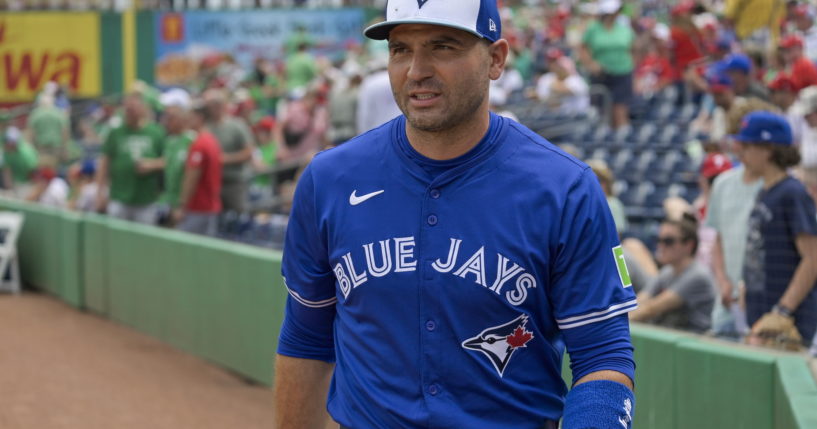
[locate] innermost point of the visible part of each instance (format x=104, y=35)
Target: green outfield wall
x=224, y=302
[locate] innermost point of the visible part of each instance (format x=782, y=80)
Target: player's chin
x=428, y=121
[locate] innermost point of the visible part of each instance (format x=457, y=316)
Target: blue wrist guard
x=601, y=404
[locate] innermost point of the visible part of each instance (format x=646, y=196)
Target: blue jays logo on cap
x=499, y=343
x=765, y=127
x=478, y=17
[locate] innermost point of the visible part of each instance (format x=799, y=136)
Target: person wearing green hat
x=780, y=270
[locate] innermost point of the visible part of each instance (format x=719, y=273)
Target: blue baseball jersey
x=446, y=291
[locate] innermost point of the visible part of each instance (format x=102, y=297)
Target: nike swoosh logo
x=355, y=200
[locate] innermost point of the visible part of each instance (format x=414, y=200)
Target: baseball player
x=439, y=265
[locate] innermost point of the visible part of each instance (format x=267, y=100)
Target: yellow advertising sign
x=39, y=47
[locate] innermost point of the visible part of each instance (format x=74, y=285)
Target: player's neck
x=450, y=143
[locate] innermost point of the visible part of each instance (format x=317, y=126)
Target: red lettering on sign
x=32, y=71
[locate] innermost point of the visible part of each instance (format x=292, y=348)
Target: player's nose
x=420, y=67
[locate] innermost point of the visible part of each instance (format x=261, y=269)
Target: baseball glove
x=776, y=331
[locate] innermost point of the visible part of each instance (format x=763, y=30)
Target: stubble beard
x=454, y=116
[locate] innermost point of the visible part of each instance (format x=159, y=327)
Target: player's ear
x=498, y=52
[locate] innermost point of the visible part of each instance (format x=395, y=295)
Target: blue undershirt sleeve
x=599, y=346
x=307, y=331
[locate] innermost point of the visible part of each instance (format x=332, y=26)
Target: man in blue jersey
x=439, y=265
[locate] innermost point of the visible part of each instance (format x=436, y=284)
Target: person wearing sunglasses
x=682, y=295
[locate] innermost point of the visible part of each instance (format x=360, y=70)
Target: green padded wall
x=795, y=398
x=95, y=263
x=224, y=302
x=218, y=300
x=49, y=250
x=720, y=387
x=656, y=382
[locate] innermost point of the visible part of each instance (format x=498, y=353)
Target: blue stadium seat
x=644, y=134
x=601, y=134
x=601, y=153
x=621, y=160
x=667, y=136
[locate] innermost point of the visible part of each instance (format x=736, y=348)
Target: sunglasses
x=668, y=241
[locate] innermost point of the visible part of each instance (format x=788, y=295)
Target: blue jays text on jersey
x=446, y=291
x=350, y=276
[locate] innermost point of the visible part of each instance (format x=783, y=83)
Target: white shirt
x=375, y=103
x=810, y=43
x=578, y=101
x=56, y=194
x=808, y=147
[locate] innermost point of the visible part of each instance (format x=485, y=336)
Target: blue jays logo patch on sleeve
x=420, y=3
x=500, y=342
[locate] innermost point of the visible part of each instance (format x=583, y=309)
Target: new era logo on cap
x=479, y=17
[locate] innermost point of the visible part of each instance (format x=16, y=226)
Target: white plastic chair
x=10, y=225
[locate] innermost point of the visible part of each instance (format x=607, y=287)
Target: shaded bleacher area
x=650, y=159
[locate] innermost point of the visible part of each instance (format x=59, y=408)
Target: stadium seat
x=621, y=159
x=10, y=225
x=645, y=133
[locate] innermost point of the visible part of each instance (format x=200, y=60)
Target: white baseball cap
x=478, y=17
x=607, y=7
x=176, y=97
x=13, y=135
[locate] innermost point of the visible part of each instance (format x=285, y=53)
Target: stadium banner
x=39, y=47
x=184, y=40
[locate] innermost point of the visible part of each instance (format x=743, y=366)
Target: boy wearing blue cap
x=739, y=68
x=780, y=268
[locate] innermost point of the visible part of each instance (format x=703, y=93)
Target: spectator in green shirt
x=131, y=163
x=19, y=162
x=48, y=128
x=178, y=140
x=606, y=52
x=301, y=68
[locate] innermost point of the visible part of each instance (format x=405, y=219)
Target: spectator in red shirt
x=784, y=95
x=686, y=39
x=200, y=199
x=655, y=72
x=797, y=65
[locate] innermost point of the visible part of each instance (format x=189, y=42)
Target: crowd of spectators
x=229, y=148
x=121, y=5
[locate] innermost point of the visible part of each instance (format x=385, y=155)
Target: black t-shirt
x=781, y=213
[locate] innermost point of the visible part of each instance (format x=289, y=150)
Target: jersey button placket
x=432, y=219
x=431, y=325
x=433, y=389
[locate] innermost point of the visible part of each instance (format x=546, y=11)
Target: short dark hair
x=688, y=225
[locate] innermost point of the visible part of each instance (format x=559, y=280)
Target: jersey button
x=431, y=325
x=433, y=389
x=435, y=193
x=432, y=220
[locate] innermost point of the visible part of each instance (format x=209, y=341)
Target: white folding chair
x=10, y=225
